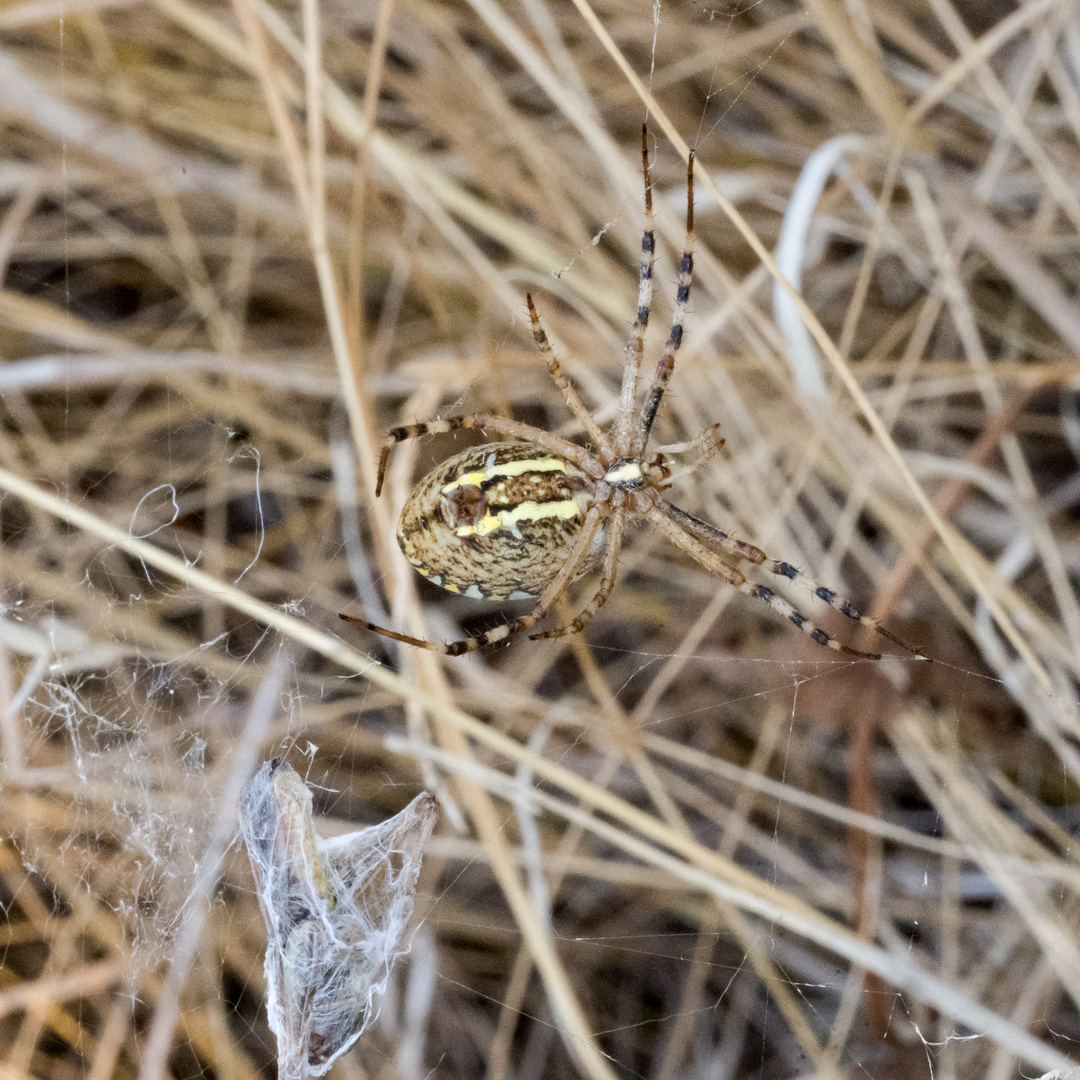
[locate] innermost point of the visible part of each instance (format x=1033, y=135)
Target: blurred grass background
x=237, y=243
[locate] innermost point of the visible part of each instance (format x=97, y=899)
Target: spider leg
x=607, y=582
x=758, y=557
x=704, y=447
x=485, y=422
x=703, y=443
x=573, y=402
x=499, y=633
x=635, y=345
x=666, y=364
x=667, y=524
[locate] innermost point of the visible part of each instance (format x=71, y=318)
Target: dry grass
x=691, y=844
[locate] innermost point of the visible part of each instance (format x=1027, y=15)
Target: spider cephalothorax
x=515, y=520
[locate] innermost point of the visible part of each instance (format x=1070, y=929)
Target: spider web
x=691, y=844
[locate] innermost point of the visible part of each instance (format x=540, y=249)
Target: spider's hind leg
x=603, y=591
x=453, y=648
x=755, y=555
x=552, y=591
x=486, y=422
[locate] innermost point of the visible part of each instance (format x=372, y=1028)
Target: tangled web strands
x=336, y=913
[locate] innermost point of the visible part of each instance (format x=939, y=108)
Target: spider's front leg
x=757, y=557
x=662, y=518
x=666, y=364
x=561, y=381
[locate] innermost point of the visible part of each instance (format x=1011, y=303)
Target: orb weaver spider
x=517, y=520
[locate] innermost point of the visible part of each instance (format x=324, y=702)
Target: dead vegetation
x=239, y=242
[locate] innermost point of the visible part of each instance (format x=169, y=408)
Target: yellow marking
x=435, y=579
x=564, y=509
x=631, y=470
x=508, y=469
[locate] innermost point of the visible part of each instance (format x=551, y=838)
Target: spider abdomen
x=497, y=521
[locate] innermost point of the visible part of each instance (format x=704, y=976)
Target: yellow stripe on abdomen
x=562, y=509
x=507, y=470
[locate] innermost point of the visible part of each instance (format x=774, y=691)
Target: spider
x=518, y=520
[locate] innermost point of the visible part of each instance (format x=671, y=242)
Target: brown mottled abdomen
x=497, y=521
